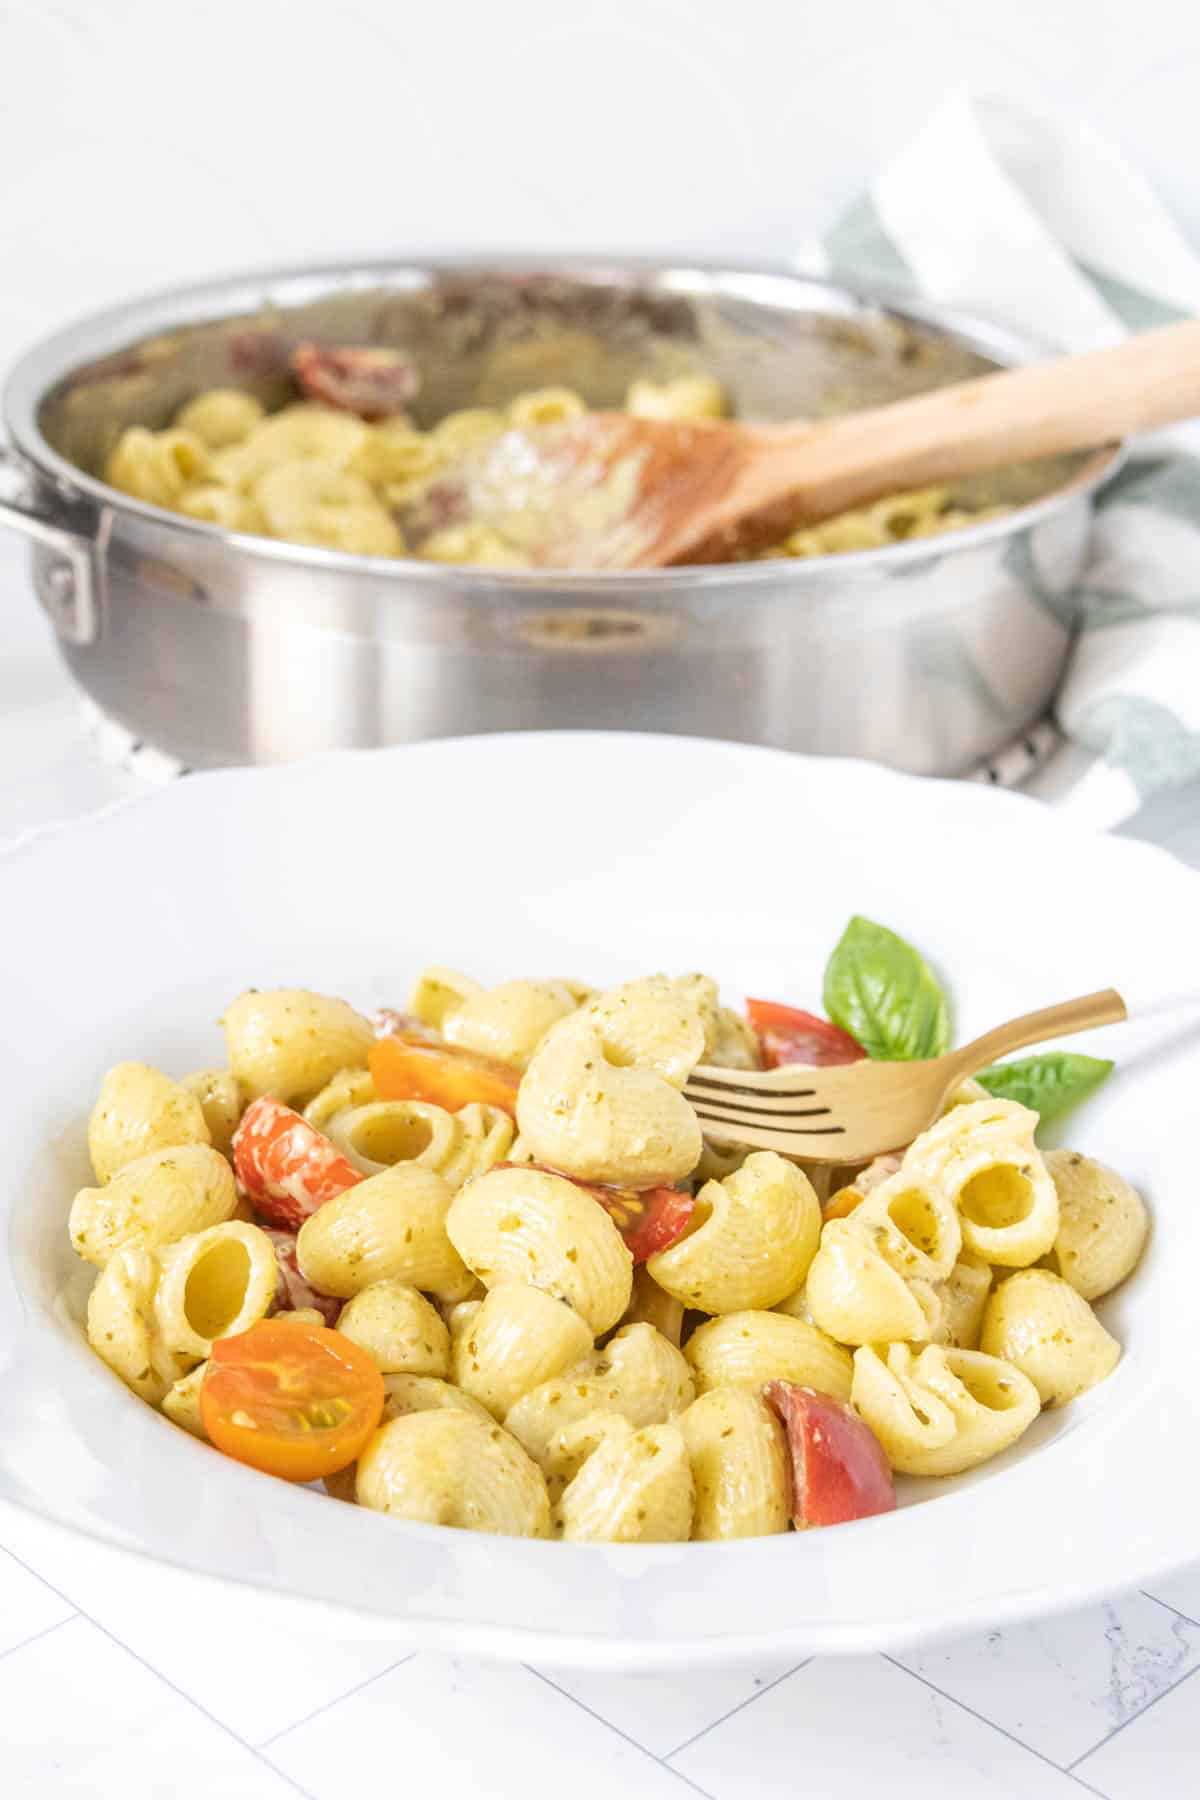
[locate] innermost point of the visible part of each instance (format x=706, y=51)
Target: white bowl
x=604, y=856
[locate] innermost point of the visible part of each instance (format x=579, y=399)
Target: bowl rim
x=112, y=329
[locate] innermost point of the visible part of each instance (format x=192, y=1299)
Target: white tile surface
x=1102, y=1666
x=27, y=1606
x=661, y=1712
x=81, y=1719
x=1157, y=1757
x=1181, y=1590
x=469, y=1728
x=848, y=1728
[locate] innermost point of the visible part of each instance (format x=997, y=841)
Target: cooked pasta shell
x=446, y=1467
x=153, y=1201
x=514, y=1339
x=137, y=1110
x=1039, y=1323
x=221, y=1101
x=525, y=1225
x=635, y=1488
x=944, y=1410
x=1102, y=1224
x=288, y=1042
x=389, y=1227
x=398, y=1328
x=508, y=1022
x=738, y=1454
x=751, y=1241
x=857, y=1297
x=746, y=1349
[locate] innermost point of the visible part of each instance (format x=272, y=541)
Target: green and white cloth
x=1038, y=224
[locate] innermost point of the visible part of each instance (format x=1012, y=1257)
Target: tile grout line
x=81, y=1613
x=44, y=1632
x=337, y=1699
x=741, y=1705
x=616, y=1730
x=981, y=1717
x=1170, y=1607
x=1126, y=1723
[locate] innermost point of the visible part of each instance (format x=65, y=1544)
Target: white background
x=144, y=143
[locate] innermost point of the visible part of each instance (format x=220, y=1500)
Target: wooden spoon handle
x=1017, y=415
x=1104, y=1008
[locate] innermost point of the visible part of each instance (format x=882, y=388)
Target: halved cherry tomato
x=292, y=1289
x=298, y=1401
x=839, y=1471
x=790, y=1035
x=841, y=1204
x=286, y=1166
x=369, y=382
x=409, y=1067
x=649, y=1219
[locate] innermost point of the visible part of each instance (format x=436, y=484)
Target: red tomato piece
x=369, y=382
x=296, y=1401
x=286, y=1166
x=649, y=1219
x=790, y=1035
x=839, y=1471
x=292, y=1289
x=410, y=1067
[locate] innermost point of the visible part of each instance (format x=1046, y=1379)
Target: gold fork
x=852, y=1112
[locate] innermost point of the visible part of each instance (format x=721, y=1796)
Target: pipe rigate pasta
x=181, y=1402
x=983, y=1157
x=683, y=397
x=758, y=1232
x=738, y=1454
x=389, y=1227
x=639, y=1375
x=221, y=1101
x=656, y=1023
x=446, y=1467
x=348, y=1089
x=153, y=1201
x=221, y=416
x=525, y=1225
x=157, y=465
x=426, y=1393
x=508, y=1021
x=1039, y=1323
x=576, y=1111
x=315, y=501
x=288, y=1042
x=732, y=1042
x=1102, y=1224
x=944, y=1410
x=913, y=1225
x=398, y=1328
x=857, y=1297
x=514, y=1339
x=438, y=992
x=382, y=1133
x=634, y=1488
x=545, y=406
x=120, y=1325
x=137, y=1110
x=750, y=1348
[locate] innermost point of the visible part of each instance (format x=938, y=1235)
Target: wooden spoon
x=609, y=491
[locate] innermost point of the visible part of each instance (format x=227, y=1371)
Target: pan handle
x=69, y=580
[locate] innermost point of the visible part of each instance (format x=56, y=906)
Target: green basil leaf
x=1051, y=1084
x=884, y=994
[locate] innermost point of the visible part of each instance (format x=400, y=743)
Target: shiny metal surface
x=223, y=648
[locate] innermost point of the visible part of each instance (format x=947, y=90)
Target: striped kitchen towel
x=1039, y=225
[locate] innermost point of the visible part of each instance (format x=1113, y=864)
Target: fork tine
x=731, y=1122
x=734, y=1081
x=740, y=1110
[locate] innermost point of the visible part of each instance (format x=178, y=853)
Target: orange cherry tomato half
x=297, y=1401
x=788, y=1034
x=408, y=1067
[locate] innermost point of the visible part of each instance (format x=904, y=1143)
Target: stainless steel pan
x=220, y=648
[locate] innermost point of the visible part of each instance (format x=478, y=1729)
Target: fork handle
x=1084, y=1014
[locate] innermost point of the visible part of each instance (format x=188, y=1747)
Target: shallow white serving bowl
x=601, y=856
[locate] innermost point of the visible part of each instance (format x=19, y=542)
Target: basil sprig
x=880, y=990
x=1051, y=1084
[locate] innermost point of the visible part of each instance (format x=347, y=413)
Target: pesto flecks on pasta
x=336, y=469
x=493, y=1277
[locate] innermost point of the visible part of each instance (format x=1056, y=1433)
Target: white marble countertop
x=121, y=1678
